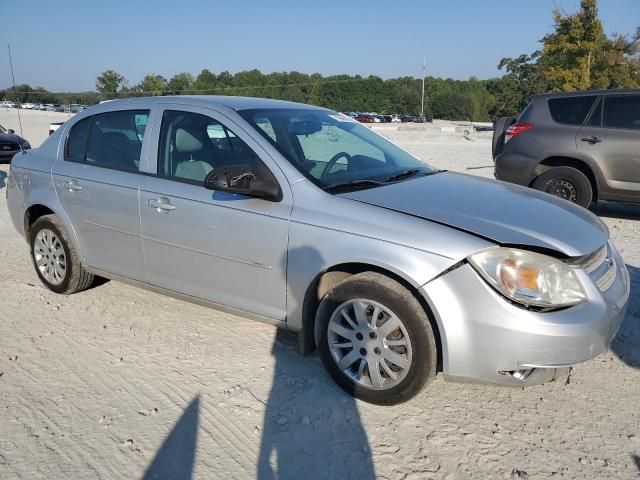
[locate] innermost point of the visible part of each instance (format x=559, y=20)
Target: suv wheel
x=55, y=258
x=566, y=182
x=376, y=340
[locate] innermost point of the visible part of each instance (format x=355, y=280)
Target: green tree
x=180, y=83
x=108, y=83
x=452, y=105
x=523, y=79
x=152, y=84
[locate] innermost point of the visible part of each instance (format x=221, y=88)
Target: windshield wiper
x=409, y=173
x=353, y=183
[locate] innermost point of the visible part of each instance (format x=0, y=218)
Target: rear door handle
x=591, y=140
x=162, y=204
x=72, y=186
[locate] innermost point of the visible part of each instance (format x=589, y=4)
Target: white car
x=28, y=106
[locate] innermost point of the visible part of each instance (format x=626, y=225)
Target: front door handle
x=591, y=140
x=72, y=186
x=162, y=204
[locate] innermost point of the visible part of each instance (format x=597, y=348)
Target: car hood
x=10, y=137
x=501, y=212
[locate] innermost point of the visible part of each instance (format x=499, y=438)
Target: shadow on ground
x=628, y=211
x=636, y=459
x=176, y=456
x=311, y=428
x=3, y=176
x=626, y=344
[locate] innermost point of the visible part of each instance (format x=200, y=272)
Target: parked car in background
x=8, y=104
x=10, y=144
x=27, y=106
x=363, y=118
x=580, y=146
x=392, y=269
x=54, y=126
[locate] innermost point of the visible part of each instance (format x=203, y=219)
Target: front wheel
x=567, y=183
x=376, y=340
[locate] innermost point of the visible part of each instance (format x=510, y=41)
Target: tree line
x=577, y=55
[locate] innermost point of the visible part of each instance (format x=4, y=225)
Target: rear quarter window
x=571, y=110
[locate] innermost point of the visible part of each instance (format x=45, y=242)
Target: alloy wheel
x=50, y=257
x=369, y=344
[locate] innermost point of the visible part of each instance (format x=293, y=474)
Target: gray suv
x=580, y=146
x=303, y=218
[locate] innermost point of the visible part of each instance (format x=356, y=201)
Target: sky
x=63, y=46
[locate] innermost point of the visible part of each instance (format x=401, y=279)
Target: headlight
x=529, y=278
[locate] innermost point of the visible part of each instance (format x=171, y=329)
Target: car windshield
x=333, y=150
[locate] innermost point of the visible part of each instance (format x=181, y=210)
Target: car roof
x=580, y=93
x=235, y=103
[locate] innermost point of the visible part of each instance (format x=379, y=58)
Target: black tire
x=498, y=134
x=567, y=183
x=392, y=295
x=76, y=278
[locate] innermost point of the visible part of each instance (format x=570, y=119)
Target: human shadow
x=3, y=176
x=629, y=211
x=311, y=428
x=176, y=457
x=626, y=344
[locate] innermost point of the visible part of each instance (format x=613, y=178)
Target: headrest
x=186, y=142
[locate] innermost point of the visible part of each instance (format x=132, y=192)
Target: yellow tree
x=570, y=52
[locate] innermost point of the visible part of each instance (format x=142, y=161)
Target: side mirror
x=11, y=130
x=241, y=179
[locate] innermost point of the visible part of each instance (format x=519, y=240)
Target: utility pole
x=424, y=68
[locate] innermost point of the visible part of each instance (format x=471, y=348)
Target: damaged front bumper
x=486, y=339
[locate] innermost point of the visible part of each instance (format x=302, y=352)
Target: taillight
x=515, y=130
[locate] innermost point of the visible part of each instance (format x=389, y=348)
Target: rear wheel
x=55, y=258
x=567, y=183
x=376, y=340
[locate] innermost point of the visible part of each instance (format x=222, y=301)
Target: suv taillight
x=515, y=130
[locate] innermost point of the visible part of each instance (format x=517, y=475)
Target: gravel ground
x=117, y=382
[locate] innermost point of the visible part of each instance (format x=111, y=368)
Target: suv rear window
x=571, y=110
x=622, y=112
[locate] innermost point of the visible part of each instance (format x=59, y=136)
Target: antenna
x=424, y=68
x=15, y=90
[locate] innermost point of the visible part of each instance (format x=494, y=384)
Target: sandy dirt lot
x=117, y=382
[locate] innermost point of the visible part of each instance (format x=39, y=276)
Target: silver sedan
x=303, y=218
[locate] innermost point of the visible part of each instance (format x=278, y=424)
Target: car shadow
x=175, y=458
x=3, y=176
x=636, y=459
x=629, y=211
x=626, y=344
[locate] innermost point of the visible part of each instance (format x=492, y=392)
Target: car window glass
x=191, y=145
x=622, y=112
x=77, y=141
x=596, y=116
x=115, y=140
x=322, y=146
x=571, y=110
x=264, y=124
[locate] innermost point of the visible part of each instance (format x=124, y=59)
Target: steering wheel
x=333, y=161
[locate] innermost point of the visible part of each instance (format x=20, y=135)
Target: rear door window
x=115, y=140
x=76, y=146
x=595, y=120
x=571, y=110
x=622, y=112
